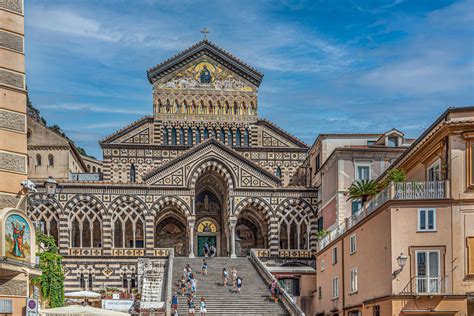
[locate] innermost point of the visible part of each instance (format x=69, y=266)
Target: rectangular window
x=363, y=171
x=335, y=287
x=323, y=267
x=470, y=255
x=370, y=142
x=377, y=310
x=6, y=306
x=356, y=206
x=320, y=294
x=352, y=241
x=392, y=141
x=354, y=280
x=426, y=219
x=334, y=255
x=470, y=162
x=428, y=278
x=318, y=162
x=320, y=223
x=434, y=172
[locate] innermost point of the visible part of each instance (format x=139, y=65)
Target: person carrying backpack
x=238, y=282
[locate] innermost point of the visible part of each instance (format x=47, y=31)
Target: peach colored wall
x=60, y=169
x=307, y=287
x=436, y=302
x=324, y=279
x=329, y=181
x=19, y=304
x=405, y=235
x=372, y=260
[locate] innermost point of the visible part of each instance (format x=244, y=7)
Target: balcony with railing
x=396, y=191
x=427, y=285
x=89, y=176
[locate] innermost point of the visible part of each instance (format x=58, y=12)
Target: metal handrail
x=169, y=281
x=287, y=301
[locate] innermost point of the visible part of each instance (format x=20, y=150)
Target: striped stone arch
x=268, y=216
x=164, y=201
x=258, y=203
x=86, y=198
x=49, y=214
x=141, y=206
x=215, y=165
x=298, y=211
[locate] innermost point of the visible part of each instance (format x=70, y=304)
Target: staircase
x=252, y=300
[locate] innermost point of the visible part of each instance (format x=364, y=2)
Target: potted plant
x=363, y=189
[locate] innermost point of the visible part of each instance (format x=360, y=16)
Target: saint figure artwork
x=205, y=76
x=17, y=237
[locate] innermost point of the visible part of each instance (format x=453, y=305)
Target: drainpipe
x=343, y=278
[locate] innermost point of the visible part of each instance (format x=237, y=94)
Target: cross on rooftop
x=205, y=31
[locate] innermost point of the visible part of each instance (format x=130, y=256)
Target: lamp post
x=50, y=186
x=401, y=260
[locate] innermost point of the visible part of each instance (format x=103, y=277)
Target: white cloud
x=93, y=108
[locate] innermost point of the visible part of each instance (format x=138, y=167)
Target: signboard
x=117, y=305
x=31, y=307
x=116, y=296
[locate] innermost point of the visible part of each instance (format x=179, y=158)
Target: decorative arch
x=48, y=214
x=128, y=215
x=258, y=203
x=214, y=165
x=85, y=215
x=164, y=201
x=296, y=220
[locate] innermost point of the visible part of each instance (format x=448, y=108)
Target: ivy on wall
x=51, y=281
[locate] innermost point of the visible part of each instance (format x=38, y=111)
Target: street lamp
x=401, y=260
x=50, y=186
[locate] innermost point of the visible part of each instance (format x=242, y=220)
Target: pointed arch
x=181, y=136
x=212, y=164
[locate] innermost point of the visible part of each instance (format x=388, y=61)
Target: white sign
x=117, y=305
x=116, y=296
x=31, y=307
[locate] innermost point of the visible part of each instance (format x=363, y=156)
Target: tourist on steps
x=203, y=309
x=182, y=285
x=191, y=305
x=225, y=276
x=233, y=274
x=239, y=284
x=193, y=285
x=204, y=267
x=174, y=303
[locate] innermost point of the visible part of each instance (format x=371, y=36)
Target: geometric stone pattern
x=12, y=5
x=12, y=79
x=12, y=120
x=11, y=41
x=12, y=162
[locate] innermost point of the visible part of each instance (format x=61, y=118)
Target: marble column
x=232, y=224
x=191, y=238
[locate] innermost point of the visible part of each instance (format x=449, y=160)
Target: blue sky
x=330, y=66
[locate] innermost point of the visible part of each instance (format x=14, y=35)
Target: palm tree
x=362, y=189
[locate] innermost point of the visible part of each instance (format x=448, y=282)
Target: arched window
x=198, y=135
x=181, y=136
x=214, y=133
x=165, y=136
x=173, y=136
x=206, y=133
x=38, y=159
x=50, y=160
x=230, y=139
x=132, y=173
x=90, y=281
x=235, y=108
x=86, y=225
x=222, y=136
x=246, y=137
x=89, y=168
x=185, y=109
x=82, y=282
x=238, y=139
x=98, y=170
x=190, y=136
x=93, y=169
x=128, y=226
x=278, y=172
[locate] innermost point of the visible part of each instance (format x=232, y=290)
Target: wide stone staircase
x=254, y=297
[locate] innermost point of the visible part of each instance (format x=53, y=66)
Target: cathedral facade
x=203, y=168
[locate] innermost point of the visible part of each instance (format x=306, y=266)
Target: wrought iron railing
x=394, y=191
x=426, y=285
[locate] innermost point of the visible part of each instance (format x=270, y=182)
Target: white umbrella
x=82, y=294
x=78, y=310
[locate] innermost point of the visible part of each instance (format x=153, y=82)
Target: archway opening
x=211, y=209
x=171, y=231
x=250, y=231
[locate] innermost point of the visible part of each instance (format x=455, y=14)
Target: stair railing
x=287, y=301
x=169, y=282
